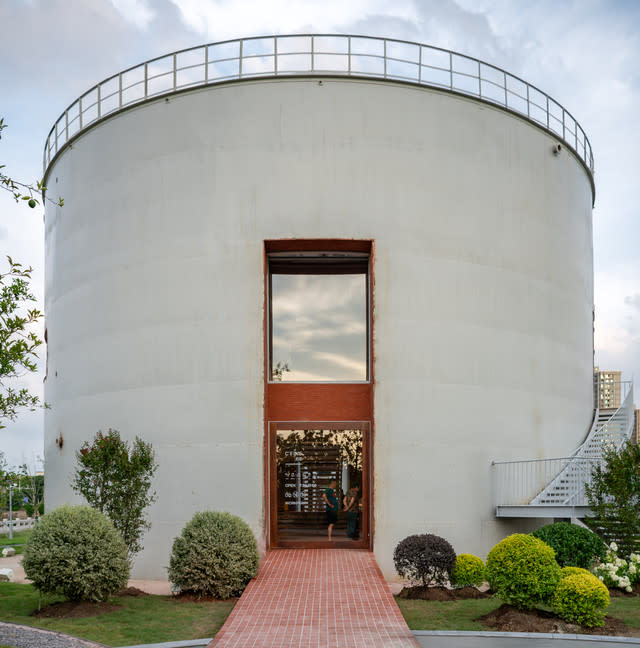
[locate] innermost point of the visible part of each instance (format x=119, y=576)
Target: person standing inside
x=331, y=505
x=351, y=507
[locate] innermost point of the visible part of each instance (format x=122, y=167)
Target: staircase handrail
x=568, y=473
x=580, y=453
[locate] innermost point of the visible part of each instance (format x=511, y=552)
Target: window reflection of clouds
x=320, y=326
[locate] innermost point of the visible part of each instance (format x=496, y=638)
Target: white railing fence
x=518, y=483
x=317, y=54
x=18, y=525
x=561, y=480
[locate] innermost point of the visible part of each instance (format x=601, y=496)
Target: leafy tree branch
x=22, y=190
x=18, y=342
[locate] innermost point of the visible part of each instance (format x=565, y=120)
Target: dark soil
x=131, y=591
x=189, y=597
x=618, y=592
x=75, y=610
x=508, y=619
x=442, y=593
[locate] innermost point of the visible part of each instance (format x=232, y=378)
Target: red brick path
x=316, y=598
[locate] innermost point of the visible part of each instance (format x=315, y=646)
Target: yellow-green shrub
x=523, y=571
x=468, y=570
x=581, y=598
x=573, y=571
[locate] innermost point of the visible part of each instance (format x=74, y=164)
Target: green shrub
x=215, y=555
x=581, y=598
x=468, y=570
x=76, y=551
x=574, y=545
x=522, y=570
x=425, y=558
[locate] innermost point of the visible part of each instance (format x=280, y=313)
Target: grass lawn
x=460, y=615
x=446, y=615
x=19, y=538
x=142, y=619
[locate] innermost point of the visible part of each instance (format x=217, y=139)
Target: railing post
x=66, y=125
x=240, y=60
x=349, y=53
x=120, y=90
x=80, y=113
x=146, y=80
x=451, y=70
x=175, y=72
x=504, y=78
x=420, y=64
x=275, y=55
x=479, y=82
x=206, y=64
x=99, y=100
x=312, y=53
x=547, y=97
x=385, y=57
x=528, y=103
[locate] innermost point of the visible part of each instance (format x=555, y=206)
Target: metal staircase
x=556, y=487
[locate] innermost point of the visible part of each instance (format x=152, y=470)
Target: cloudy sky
x=584, y=53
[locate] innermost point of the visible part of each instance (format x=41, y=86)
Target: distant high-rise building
x=607, y=384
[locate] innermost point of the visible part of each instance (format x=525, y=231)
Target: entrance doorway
x=318, y=378
x=305, y=459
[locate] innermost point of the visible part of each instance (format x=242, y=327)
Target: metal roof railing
x=317, y=54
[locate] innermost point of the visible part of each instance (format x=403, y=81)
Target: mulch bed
x=508, y=619
x=426, y=593
x=189, y=597
x=75, y=610
x=83, y=609
x=618, y=592
x=131, y=591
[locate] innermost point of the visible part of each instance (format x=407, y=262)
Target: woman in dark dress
x=331, y=505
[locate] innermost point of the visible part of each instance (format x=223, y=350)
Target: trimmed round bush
x=581, y=598
x=425, y=558
x=523, y=571
x=572, y=571
x=215, y=555
x=574, y=545
x=76, y=551
x=469, y=570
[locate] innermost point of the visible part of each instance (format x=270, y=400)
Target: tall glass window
x=319, y=317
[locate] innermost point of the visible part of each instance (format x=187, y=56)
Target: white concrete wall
x=483, y=292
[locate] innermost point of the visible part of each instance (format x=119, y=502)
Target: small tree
x=31, y=490
x=614, y=498
x=116, y=480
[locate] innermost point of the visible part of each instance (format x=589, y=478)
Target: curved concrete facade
x=483, y=293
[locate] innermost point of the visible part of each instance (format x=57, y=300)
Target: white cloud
x=136, y=12
x=633, y=301
x=241, y=18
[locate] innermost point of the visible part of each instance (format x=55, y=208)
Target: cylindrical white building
x=472, y=235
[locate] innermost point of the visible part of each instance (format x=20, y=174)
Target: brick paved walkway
x=316, y=598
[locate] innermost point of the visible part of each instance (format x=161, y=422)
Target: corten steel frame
x=318, y=405
x=328, y=55
x=365, y=536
